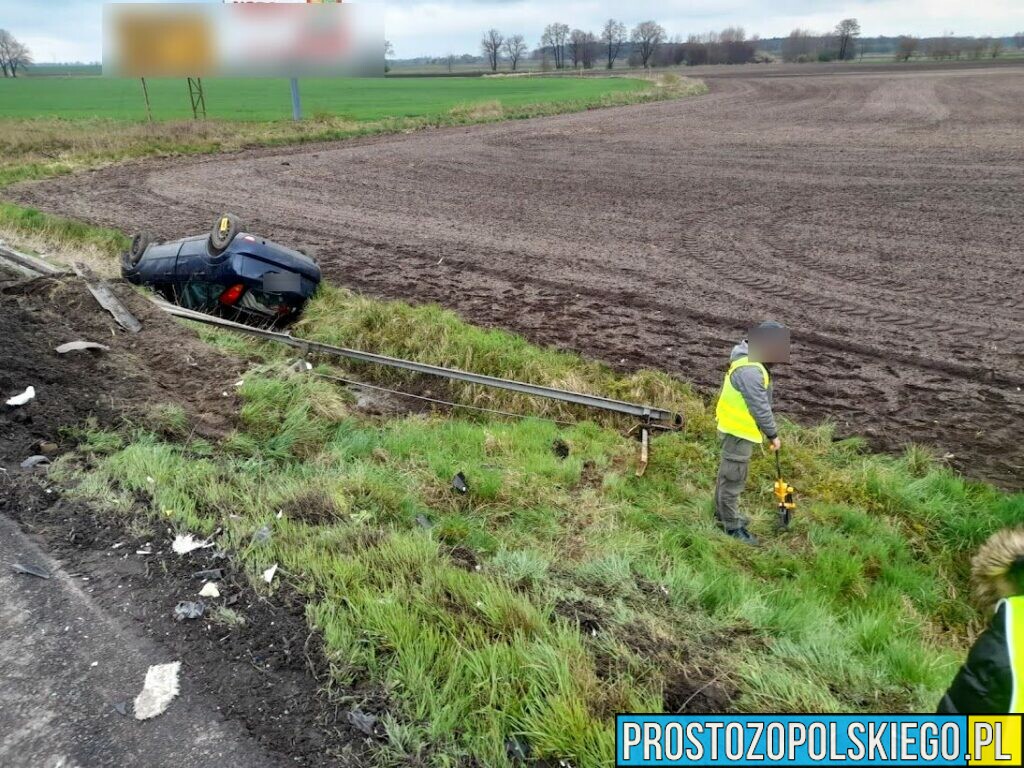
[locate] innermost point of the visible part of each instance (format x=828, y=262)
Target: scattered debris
x=47, y=448
x=459, y=483
x=159, y=690
x=301, y=366
x=561, y=448
x=30, y=570
x=423, y=522
x=268, y=575
x=23, y=398
x=81, y=346
x=146, y=550
x=34, y=461
x=209, y=590
x=362, y=722
x=186, y=543
x=187, y=609
x=121, y=707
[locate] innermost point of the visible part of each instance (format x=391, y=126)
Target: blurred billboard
x=258, y=39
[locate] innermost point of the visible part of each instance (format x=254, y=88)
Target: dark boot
x=742, y=534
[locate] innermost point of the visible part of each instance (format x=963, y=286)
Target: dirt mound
x=165, y=363
x=875, y=213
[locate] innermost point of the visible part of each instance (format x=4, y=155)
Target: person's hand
x=776, y=445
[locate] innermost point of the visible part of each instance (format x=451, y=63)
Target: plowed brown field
x=879, y=214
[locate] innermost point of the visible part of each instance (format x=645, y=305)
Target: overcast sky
x=69, y=30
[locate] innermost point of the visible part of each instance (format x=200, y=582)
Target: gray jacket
x=750, y=383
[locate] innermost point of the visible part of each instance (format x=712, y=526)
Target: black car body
x=250, y=279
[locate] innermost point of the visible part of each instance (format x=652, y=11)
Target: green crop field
x=265, y=99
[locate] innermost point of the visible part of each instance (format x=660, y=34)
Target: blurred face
x=769, y=345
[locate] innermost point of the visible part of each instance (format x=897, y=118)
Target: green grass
x=51, y=126
x=365, y=99
x=464, y=611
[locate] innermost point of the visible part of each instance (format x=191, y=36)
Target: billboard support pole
x=196, y=97
x=145, y=93
x=296, y=101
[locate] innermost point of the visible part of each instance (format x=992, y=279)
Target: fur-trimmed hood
x=997, y=571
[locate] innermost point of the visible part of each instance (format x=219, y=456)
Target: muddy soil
x=876, y=213
x=164, y=363
x=263, y=677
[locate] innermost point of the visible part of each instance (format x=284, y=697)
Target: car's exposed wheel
x=140, y=243
x=223, y=232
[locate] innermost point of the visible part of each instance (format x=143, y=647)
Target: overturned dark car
x=228, y=273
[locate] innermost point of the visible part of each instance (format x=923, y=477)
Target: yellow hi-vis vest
x=734, y=418
x=1015, y=646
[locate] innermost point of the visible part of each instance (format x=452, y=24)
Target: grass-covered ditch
x=558, y=591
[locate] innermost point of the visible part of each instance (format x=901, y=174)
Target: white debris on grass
x=23, y=398
x=209, y=590
x=159, y=690
x=186, y=543
x=268, y=575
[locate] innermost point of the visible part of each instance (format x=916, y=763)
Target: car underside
x=229, y=273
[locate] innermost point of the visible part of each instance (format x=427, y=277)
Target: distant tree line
x=647, y=44
x=14, y=56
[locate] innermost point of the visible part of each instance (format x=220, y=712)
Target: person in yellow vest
x=745, y=420
x=991, y=681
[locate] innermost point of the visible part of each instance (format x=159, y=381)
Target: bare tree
x=906, y=46
x=613, y=36
x=5, y=43
x=589, y=49
x=847, y=31
x=646, y=37
x=798, y=46
x=976, y=46
x=389, y=50
x=941, y=47
x=515, y=47
x=1019, y=40
x=732, y=46
x=997, y=47
x=555, y=36
x=13, y=55
x=582, y=48
x=577, y=41
x=491, y=46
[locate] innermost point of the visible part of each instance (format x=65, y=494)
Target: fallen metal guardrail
x=651, y=418
x=656, y=417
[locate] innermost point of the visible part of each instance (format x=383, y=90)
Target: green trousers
x=732, y=479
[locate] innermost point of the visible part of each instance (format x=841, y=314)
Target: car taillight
x=231, y=296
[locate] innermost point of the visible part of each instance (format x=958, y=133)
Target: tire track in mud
x=872, y=212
